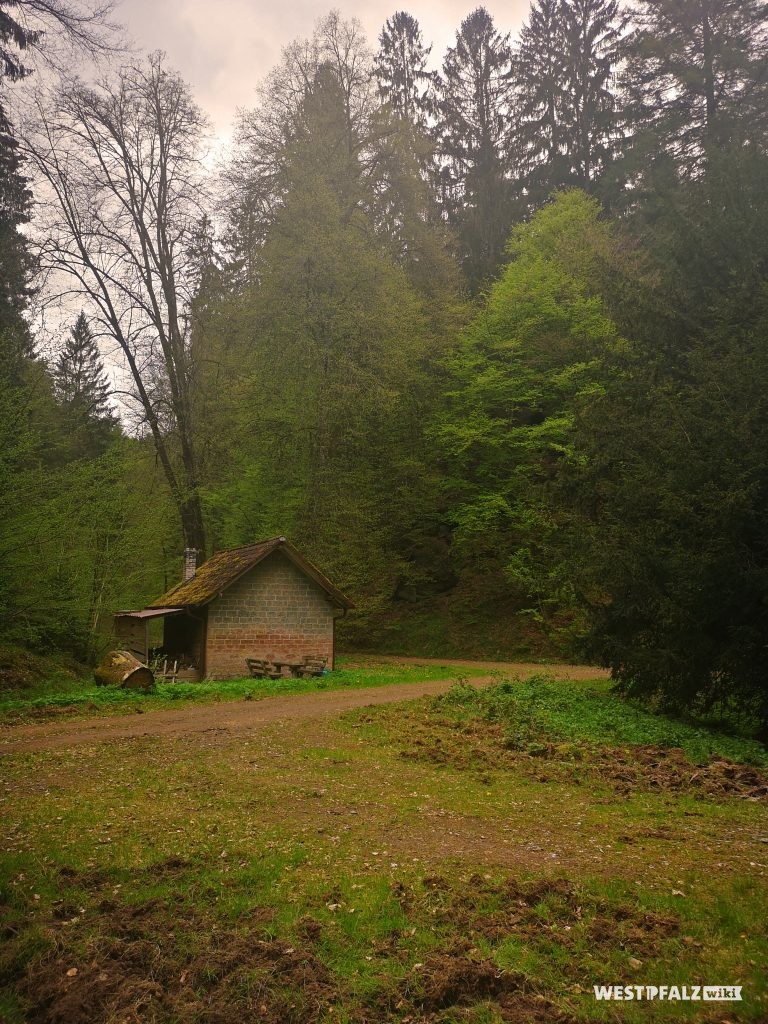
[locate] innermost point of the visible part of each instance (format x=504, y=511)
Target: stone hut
x=263, y=600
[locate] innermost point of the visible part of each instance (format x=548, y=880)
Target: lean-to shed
x=263, y=600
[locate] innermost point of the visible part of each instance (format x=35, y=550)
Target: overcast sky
x=224, y=47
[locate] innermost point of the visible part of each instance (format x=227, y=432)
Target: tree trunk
x=191, y=513
x=120, y=668
x=709, y=80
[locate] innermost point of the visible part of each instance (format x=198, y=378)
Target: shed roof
x=148, y=613
x=222, y=569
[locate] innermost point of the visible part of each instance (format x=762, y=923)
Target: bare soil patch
x=453, y=980
x=139, y=971
x=234, y=716
x=162, y=961
x=507, y=668
x=551, y=908
x=229, y=716
x=481, y=746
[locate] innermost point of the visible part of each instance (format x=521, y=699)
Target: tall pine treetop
x=475, y=96
x=568, y=112
x=15, y=260
x=401, y=68
x=81, y=381
x=697, y=76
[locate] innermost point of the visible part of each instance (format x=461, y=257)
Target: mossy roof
x=222, y=569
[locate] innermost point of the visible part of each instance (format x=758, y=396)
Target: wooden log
x=120, y=668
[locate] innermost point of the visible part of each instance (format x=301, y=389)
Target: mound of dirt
x=477, y=745
x=451, y=980
x=136, y=971
x=669, y=769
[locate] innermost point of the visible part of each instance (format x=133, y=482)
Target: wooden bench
x=262, y=668
x=312, y=667
x=274, y=668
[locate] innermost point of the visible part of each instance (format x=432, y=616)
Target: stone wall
x=273, y=610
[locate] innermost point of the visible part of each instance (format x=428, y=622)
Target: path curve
x=513, y=668
x=241, y=715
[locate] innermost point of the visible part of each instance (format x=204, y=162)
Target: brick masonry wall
x=273, y=610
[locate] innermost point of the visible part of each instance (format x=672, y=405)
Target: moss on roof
x=223, y=568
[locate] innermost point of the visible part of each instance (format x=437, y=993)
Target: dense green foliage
x=475, y=97
x=541, y=710
x=488, y=343
x=530, y=359
x=675, y=480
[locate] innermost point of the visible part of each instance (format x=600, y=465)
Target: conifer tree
x=567, y=127
x=15, y=260
x=401, y=69
x=592, y=32
x=15, y=37
x=538, y=70
x=82, y=387
x=697, y=77
x=475, y=94
x=403, y=156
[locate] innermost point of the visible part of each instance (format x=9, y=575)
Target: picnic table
x=282, y=668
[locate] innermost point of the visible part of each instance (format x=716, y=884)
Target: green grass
x=541, y=709
x=61, y=693
x=310, y=872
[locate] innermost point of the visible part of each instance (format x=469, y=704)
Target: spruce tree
x=592, y=32
x=697, y=78
x=475, y=93
x=15, y=260
x=15, y=341
x=14, y=37
x=401, y=69
x=83, y=389
x=567, y=129
x=538, y=70
x=406, y=210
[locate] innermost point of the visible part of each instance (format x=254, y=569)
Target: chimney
x=190, y=563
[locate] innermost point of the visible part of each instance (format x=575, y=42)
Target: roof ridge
x=224, y=567
x=242, y=547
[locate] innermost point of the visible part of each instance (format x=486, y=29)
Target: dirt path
x=514, y=668
x=234, y=716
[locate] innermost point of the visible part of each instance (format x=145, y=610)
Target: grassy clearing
x=540, y=710
x=68, y=695
x=404, y=863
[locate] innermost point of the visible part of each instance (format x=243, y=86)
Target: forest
x=485, y=333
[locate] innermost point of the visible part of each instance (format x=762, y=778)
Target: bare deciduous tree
x=41, y=26
x=121, y=197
